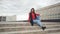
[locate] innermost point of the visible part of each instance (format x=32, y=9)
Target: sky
x=22, y=7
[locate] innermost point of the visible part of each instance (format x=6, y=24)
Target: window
x=2, y=18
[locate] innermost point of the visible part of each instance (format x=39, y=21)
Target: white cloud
x=20, y=6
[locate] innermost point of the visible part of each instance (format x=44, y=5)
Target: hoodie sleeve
x=37, y=14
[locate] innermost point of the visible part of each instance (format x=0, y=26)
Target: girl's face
x=32, y=10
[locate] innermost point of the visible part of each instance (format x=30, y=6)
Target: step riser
x=33, y=31
x=24, y=28
x=14, y=25
x=17, y=29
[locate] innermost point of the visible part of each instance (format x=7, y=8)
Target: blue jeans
x=38, y=21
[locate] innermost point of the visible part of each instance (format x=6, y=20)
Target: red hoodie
x=33, y=16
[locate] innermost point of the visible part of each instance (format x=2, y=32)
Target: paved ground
x=26, y=28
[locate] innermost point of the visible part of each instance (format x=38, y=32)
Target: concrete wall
x=50, y=12
x=11, y=18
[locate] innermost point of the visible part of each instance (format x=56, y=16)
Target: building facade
x=7, y=18
x=50, y=12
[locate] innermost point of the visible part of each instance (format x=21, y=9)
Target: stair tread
x=20, y=29
x=27, y=31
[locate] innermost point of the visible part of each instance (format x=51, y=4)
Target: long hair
x=33, y=11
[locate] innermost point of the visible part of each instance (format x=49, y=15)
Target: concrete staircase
x=26, y=28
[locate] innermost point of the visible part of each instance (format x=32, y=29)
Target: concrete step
x=54, y=33
x=20, y=28
x=53, y=26
x=15, y=25
x=26, y=28
x=54, y=30
x=28, y=24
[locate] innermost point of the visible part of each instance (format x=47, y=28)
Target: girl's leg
x=31, y=22
x=38, y=22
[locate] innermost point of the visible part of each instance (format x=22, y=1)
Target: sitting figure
x=35, y=18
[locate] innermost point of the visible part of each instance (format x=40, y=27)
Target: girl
x=35, y=18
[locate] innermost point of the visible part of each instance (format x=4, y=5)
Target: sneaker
x=43, y=28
